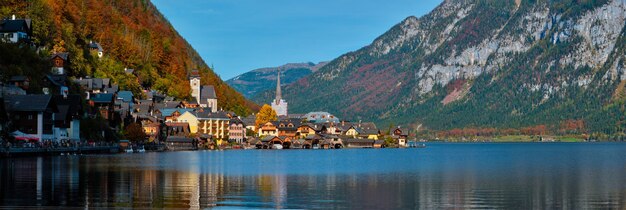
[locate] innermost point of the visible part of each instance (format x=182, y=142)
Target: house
x=152, y=129
x=20, y=81
x=250, y=122
x=204, y=95
x=96, y=48
x=306, y=129
x=124, y=103
x=15, y=30
x=179, y=143
x=352, y=131
x=331, y=142
x=103, y=103
x=67, y=119
x=93, y=86
x=269, y=141
x=60, y=61
x=268, y=129
x=400, y=137
x=190, y=118
x=55, y=84
x=288, y=128
x=369, y=133
x=236, y=130
x=32, y=114
x=379, y=144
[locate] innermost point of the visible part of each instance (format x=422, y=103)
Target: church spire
x=278, y=91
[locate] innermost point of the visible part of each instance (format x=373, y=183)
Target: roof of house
x=23, y=25
x=95, y=45
x=27, y=103
x=212, y=115
x=207, y=92
x=56, y=80
x=18, y=78
x=102, y=98
x=168, y=112
x=63, y=55
x=73, y=103
x=249, y=121
x=126, y=96
x=97, y=83
x=112, y=89
x=235, y=121
x=179, y=139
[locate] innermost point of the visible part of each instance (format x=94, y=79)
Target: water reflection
x=443, y=177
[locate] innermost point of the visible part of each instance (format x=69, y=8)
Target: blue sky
x=236, y=36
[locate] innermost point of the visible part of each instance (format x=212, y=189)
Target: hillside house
x=15, y=30
x=60, y=62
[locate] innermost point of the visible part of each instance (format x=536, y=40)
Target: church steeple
x=278, y=91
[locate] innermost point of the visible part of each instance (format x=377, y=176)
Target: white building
x=204, y=95
x=279, y=105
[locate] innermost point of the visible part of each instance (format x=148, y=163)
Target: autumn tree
x=135, y=133
x=267, y=114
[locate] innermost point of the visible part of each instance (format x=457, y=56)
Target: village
x=66, y=113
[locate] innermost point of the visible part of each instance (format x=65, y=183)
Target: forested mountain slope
x=483, y=64
x=133, y=35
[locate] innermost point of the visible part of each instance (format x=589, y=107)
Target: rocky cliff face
x=482, y=63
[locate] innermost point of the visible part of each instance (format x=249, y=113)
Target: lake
x=443, y=175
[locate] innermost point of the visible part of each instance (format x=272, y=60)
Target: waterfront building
x=32, y=114
x=236, y=130
x=279, y=105
x=214, y=124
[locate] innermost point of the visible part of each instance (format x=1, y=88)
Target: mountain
x=483, y=63
x=132, y=33
x=259, y=80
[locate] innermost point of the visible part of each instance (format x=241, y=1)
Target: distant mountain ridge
x=482, y=63
x=263, y=79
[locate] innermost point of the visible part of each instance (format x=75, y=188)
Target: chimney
x=13, y=17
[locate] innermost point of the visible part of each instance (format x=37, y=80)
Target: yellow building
x=213, y=124
x=189, y=117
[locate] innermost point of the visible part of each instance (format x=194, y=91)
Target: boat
x=414, y=144
x=129, y=150
x=277, y=146
x=140, y=150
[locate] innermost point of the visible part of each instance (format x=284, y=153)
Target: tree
x=135, y=133
x=266, y=114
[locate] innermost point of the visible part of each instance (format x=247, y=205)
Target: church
x=279, y=105
x=203, y=94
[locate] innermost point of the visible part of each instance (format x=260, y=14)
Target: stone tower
x=194, y=83
x=279, y=105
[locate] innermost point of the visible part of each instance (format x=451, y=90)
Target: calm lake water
x=516, y=175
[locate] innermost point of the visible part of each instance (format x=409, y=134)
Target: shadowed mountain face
x=260, y=80
x=482, y=63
